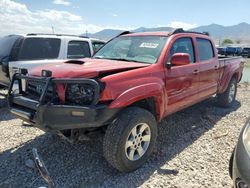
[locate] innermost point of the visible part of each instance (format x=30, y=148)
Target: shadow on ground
x=5, y=115
x=82, y=164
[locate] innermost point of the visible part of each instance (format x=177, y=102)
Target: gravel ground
x=193, y=150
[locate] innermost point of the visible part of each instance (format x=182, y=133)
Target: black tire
x=224, y=99
x=119, y=132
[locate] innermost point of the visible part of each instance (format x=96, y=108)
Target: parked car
x=130, y=85
x=233, y=51
x=28, y=51
x=245, y=52
x=239, y=166
x=221, y=51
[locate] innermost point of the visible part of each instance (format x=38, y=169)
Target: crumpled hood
x=85, y=68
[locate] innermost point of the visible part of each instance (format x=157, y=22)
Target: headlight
x=246, y=137
x=79, y=94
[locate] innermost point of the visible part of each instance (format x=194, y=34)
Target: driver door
x=182, y=82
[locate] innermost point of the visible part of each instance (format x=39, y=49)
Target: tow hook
x=42, y=169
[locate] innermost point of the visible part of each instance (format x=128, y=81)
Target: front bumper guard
x=52, y=117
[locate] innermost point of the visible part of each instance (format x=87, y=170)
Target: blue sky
x=75, y=16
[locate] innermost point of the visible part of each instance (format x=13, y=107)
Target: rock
x=30, y=163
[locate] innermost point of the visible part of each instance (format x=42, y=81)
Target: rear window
x=78, y=49
x=6, y=44
x=205, y=49
x=39, y=48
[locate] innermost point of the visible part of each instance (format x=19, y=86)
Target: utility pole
x=53, y=31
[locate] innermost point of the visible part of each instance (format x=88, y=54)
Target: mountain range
x=218, y=32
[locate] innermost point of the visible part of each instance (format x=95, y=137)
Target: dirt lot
x=193, y=150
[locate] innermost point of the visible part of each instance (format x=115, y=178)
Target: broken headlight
x=79, y=94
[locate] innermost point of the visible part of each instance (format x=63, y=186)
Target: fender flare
x=148, y=90
x=227, y=79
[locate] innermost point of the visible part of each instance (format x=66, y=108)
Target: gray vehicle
x=31, y=50
x=239, y=167
x=245, y=52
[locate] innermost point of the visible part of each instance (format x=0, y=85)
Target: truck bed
x=225, y=60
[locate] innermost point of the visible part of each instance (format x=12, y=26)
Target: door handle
x=196, y=72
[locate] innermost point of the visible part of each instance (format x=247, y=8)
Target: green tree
x=227, y=41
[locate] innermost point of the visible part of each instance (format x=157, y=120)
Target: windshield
x=144, y=49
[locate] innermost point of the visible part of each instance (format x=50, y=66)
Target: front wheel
x=227, y=98
x=130, y=139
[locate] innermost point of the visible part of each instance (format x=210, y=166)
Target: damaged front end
x=53, y=104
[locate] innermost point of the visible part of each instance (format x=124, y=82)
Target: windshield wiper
x=120, y=59
x=127, y=60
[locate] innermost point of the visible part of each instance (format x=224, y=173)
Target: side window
x=78, y=49
x=205, y=49
x=15, y=49
x=183, y=45
x=97, y=45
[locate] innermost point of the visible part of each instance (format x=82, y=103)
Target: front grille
x=34, y=90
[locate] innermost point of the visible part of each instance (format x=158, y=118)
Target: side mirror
x=179, y=59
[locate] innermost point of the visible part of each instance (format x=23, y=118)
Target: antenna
x=53, y=31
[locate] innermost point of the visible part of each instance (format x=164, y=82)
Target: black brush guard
x=50, y=116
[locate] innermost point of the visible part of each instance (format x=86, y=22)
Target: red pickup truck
x=130, y=85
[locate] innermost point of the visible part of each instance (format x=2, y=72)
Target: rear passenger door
x=209, y=68
x=78, y=49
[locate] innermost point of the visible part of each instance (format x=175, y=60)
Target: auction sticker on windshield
x=149, y=45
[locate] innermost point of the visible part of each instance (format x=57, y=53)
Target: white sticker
x=148, y=45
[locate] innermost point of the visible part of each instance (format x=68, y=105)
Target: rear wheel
x=227, y=98
x=130, y=139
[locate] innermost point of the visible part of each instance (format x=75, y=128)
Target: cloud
x=177, y=24
x=114, y=15
x=61, y=2
x=55, y=15
x=17, y=18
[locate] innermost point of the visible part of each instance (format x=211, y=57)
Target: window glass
x=6, y=44
x=183, y=45
x=78, y=49
x=205, y=49
x=97, y=45
x=144, y=49
x=39, y=48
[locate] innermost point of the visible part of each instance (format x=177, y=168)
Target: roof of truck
x=166, y=33
x=155, y=33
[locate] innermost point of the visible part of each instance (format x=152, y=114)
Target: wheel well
x=148, y=104
x=236, y=76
